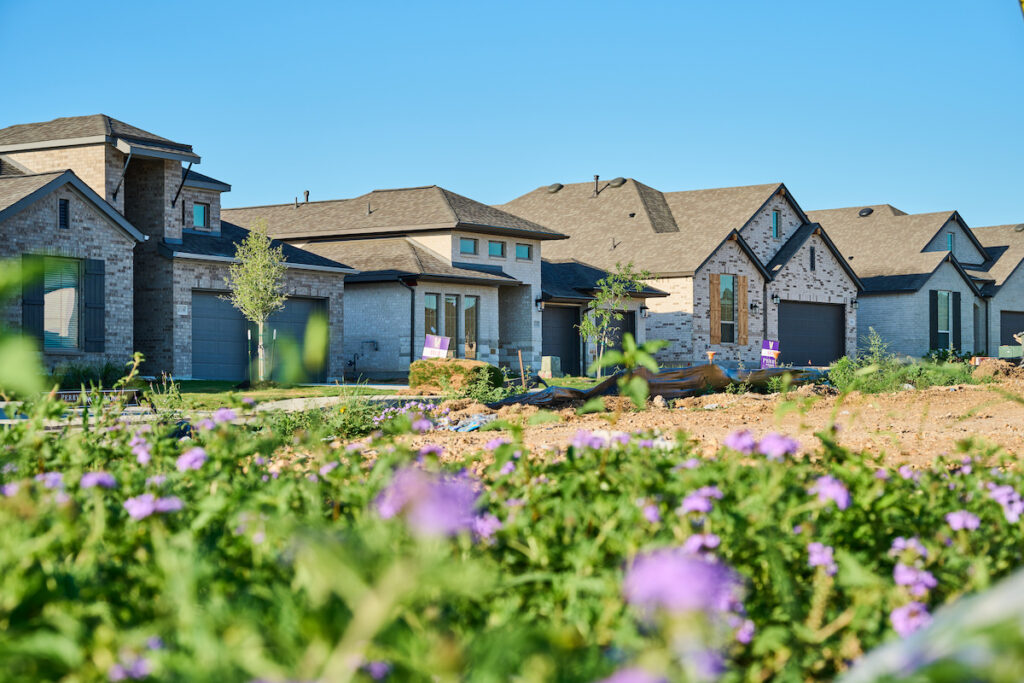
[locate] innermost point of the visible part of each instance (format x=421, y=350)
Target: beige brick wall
x=91, y=236
x=828, y=283
x=191, y=195
x=758, y=231
x=672, y=319
x=728, y=260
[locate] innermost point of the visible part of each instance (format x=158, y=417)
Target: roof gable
x=1004, y=245
x=799, y=238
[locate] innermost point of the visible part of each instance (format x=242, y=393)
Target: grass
x=583, y=383
x=211, y=394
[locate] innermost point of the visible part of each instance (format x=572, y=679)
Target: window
x=467, y=245
x=63, y=214
x=430, y=317
x=945, y=325
x=775, y=225
x=727, y=299
x=471, y=324
x=200, y=215
x=451, y=322
x=524, y=252
x=61, y=293
x=496, y=249
x=812, y=258
x=949, y=241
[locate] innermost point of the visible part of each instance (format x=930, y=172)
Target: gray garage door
x=811, y=334
x=1010, y=323
x=561, y=337
x=220, y=348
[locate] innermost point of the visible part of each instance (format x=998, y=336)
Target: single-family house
x=430, y=261
x=918, y=295
x=1001, y=279
x=164, y=280
x=740, y=265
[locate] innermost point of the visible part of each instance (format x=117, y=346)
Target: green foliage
x=20, y=372
x=877, y=370
x=71, y=376
x=165, y=395
x=349, y=420
x=610, y=298
x=458, y=374
x=631, y=357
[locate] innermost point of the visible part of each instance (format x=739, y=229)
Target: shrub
x=71, y=376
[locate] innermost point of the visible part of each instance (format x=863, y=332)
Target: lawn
x=583, y=383
x=211, y=394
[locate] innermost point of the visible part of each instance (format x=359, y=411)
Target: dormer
x=200, y=202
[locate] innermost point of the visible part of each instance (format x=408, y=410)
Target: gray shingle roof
x=387, y=212
x=392, y=258
x=1005, y=247
x=224, y=244
x=797, y=239
x=662, y=232
x=15, y=188
x=80, y=127
x=196, y=179
x=572, y=280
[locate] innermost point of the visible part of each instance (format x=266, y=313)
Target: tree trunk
x=261, y=354
x=600, y=355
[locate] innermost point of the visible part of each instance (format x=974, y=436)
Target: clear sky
x=912, y=102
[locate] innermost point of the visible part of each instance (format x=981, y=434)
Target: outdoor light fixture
x=540, y=304
x=645, y=312
x=855, y=304
x=775, y=299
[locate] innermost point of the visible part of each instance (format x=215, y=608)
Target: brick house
x=918, y=292
x=81, y=309
x=177, y=272
x=740, y=265
x=1001, y=280
x=430, y=261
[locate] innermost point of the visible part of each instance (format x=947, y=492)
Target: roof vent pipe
x=296, y=202
x=596, y=190
x=306, y=195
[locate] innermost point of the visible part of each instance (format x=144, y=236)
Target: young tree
x=257, y=284
x=611, y=297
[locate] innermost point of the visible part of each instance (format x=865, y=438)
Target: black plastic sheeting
x=670, y=383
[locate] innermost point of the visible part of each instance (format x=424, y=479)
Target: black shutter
x=956, y=321
x=933, y=319
x=92, y=298
x=32, y=296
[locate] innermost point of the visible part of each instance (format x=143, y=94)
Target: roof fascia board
x=136, y=149
x=50, y=144
x=168, y=251
x=205, y=185
x=820, y=232
x=398, y=230
x=735, y=236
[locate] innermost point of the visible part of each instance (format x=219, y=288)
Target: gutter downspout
x=412, y=318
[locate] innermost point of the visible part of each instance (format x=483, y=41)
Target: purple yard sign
x=435, y=346
x=769, y=354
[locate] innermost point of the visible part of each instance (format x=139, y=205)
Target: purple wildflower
x=328, y=468
x=103, y=479
x=672, y=579
x=882, y=474
x=645, y=443
x=633, y=675
x=622, y=438
x=909, y=618
x=907, y=472
x=378, y=670
x=902, y=545
x=222, y=415
x=155, y=480
x=918, y=581
x=168, y=504
x=1009, y=499
x=433, y=505
x=485, y=525
x=962, y=519
x=192, y=459
x=135, y=669
x=651, y=513
x=8, y=468
x=829, y=488
x=698, y=542
x=248, y=400
x=206, y=423
x=10, y=489
x=820, y=555
x=422, y=425
x=742, y=441
x=798, y=529
x=143, y=506
x=745, y=633
x=51, y=480
x=431, y=449
x=507, y=468
x=776, y=446
x=688, y=464
x=700, y=500
x=140, y=448
x=585, y=439
x=515, y=502
x=155, y=643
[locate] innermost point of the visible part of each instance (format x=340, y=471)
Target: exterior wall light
x=776, y=299
x=645, y=312
x=855, y=304
x=540, y=304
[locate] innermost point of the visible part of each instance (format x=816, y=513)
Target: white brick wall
x=728, y=260
x=672, y=320
x=963, y=249
x=758, y=231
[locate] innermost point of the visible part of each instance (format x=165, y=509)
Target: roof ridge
x=34, y=175
x=267, y=206
x=448, y=203
x=415, y=254
x=402, y=189
x=106, y=123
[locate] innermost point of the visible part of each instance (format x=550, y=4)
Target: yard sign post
x=769, y=354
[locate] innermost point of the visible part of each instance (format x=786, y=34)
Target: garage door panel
x=811, y=333
x=1010, y=323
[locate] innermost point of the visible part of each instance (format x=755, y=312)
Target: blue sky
x=914, y=103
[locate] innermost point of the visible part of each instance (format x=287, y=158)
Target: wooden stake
x=522, y=373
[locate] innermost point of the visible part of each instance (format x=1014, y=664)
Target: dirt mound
x=524, y=411
x=454, y=373
x=993, y=367
x=460, y=408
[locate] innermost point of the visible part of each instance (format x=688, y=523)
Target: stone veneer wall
x=672, y=320
x=210, y=276
x=91, y=236
x=828, y=283
x=729, y=259
x=758, y=230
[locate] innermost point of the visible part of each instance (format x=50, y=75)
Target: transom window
x=524, y=252
x=949, y=241
x=775, y=224
x=61, y=306
x=945, y=324
x=467, y=245
x=63, y=214
x=812, y=258
x=200, y=215
x=727, y=300
x=496, y=249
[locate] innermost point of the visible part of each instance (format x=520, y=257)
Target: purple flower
x=206, y=423
x=906, y=472
x=742, y=441
x=8, y=468
x=515, y=502
x=585, y=439
x=829, y=488
x=902, y=545
x=104, y=479
x=909, y=618
x=431, y=449
x=433, y=505
x=633, y=675
x=168, y=504
x=155, y=480
x=248, y=400
x=222, y=415
x=507, y=468
x=820, y=555
x=675, y=580
x=10, y=489
x=422, y=425
x=918, y=581
x=645, y=443
x=621, y=438
x=1009, y=499
x=51, y=480
x=135, y=669
x=155, y=643
x=777, y=446
x=698, y=542
x=328, y=468
x=143, y=506
x=192, y=459
x=651, y=513
x=485, y=525
x=745, y=633
x=882, y=474
x=699, y=500
x=377, y=669
x=140, y=448
x=962, y=519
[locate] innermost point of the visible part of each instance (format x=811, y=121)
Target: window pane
x=470, y=322
x=496, y=249
x=199, y=215
x=728, y=333
x=451, y=322
x=944, y=312
x=467, y=245
x=524, y=251
x=944, y=340
x=63, y=213
x=430, y=313
x=728, y=298
x=60, y=303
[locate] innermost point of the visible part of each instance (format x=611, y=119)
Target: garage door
x=1010, y=323
x=561, y=338
x=220, y=347
x=811, y=334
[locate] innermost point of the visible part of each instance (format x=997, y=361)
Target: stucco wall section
x=672, y=319
x=729, y=259
x=758, y=231
x=828, y=283
x=91, y=236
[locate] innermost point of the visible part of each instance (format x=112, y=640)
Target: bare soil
x=908, y=427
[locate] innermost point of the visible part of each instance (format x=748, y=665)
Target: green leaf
x=543, y=417
x=20, y=371
x=594, y=405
